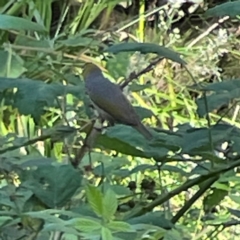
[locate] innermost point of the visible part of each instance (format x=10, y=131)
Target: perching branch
x=87, y=144
x=134, y=75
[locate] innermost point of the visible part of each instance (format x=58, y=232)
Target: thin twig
x=87, y=144
x=134, y=75
x=211, y=28
x=188, y=184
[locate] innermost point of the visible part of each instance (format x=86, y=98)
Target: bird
x=109, y=100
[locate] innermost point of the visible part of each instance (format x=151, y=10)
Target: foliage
x=177, y=186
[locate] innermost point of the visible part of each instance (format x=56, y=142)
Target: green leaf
x=47, y=217
x=31, y=161
x=143, y=167
x=54, y=185
x=234, y=198
x=153, y=218
x=29, y=42
x=11, y=65
x=143, y=112
x=117, y=226
x=16, y=23
x=80, y=41
x=159, y=234
x=231, y=9
x=118, y=66
x=38, y=93
x=214, y=102
x=174, y=234
x=174, y=169
x=52, y=227
x=68, y=236
x=110, y=165
x=224, y=86
x=127, y=140
x=196, y=140
x=106, y=234
x=22, y=195
x=86, y=224
x=134, y=87
x=214, y=199
x=114, y=140
x=234, y=212
x=223, y=93
x=120, y=190
x=110, y=204
x=146, y=48
x=95, y=199
x=4, y=219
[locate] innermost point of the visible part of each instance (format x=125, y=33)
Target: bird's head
x=90, y=68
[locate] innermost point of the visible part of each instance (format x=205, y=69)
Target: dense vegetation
x=179, y=66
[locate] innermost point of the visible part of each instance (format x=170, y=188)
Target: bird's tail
x=144, y=131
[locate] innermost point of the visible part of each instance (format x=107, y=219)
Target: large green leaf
x=214, y=102
x=22, y=195
x=197, y=140
x=231, y=9
x=16, y=23
x=224, y=86
x=128, y=141
x=33, y=96
x=146, y=48
x=53, y=185
x=223, y=93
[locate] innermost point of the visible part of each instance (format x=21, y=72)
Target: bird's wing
x=113, y=102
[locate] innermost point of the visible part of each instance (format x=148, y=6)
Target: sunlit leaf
x=106, y=234
x=117, y=226
x=110, y=204
x=95, y=199
x=87, y=225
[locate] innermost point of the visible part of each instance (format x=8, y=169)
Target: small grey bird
x=109, y=100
